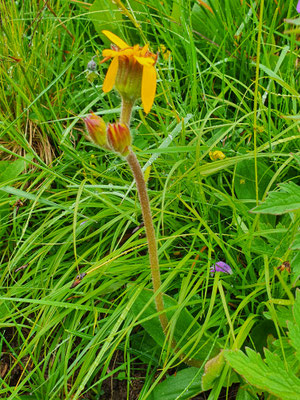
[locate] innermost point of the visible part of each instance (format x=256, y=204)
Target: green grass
x=239, y=95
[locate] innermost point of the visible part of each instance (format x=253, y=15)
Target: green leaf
x=294, y=327
x=213, y=369
x=296, y=242
x=260, y=333
x=105, y=14
x=244, y=183
x=186, y=328
x=10, y=170
x=185, y=384
x=270, y=375
x=285, y=200
x=244, y=393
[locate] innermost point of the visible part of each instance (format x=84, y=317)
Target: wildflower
x=132, y=71
x=220, y=266
x=298, y=7
x=97, y=129
x=166, y=54
x=119, y=138
x=216, y=155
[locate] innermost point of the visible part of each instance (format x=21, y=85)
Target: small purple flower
x=220, y=266
x=298, y=7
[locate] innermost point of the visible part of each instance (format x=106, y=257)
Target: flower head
x=97, y=129
x=220, y=266
x=132, y=71
x=298, y=7
x=119, y=138
x=216, y=155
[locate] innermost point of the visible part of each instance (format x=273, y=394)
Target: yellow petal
x=144, y=49
x=127, y=52
x=145, y=61
x=115, y=39
x=109, y=53
x=148, y=87
x=111, y=74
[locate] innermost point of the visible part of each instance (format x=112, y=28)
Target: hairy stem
x=152, y=246
x=150, y=233
x=126, y=111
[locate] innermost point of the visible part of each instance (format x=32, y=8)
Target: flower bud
x=97, y=129
x=119, y=138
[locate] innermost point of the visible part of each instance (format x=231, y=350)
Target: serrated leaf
x=186, y=328
x=185, y=384
x=270, y=375
x=294, y=327
x=285, y=200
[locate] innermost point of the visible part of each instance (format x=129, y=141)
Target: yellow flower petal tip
x=148, y=88
x=110, y=77
x=115, y=39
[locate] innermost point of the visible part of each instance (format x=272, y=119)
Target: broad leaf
x=245, y=393
x=270, y=375
x=105, y=14
x=294, y=327
x=185, y=384
x=213, y=369
x=244, y=183
x=8, y=172
x=285, y=200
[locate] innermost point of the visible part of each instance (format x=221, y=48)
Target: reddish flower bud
x=119, y=138
x=97, y=129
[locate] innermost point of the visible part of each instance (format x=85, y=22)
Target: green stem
x=152, y=246
x=126, y=111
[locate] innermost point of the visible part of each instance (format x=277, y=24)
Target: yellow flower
x=166, y=54
x=216, y=155
x=132, y=71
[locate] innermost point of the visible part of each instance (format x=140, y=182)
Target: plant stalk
x=150, y=233
x=126, y=111
x=153, y=255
